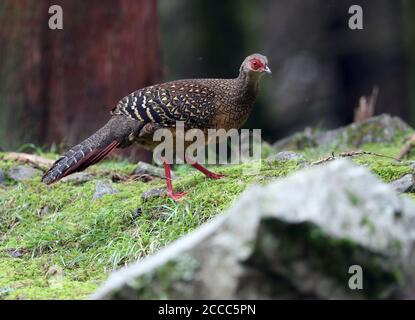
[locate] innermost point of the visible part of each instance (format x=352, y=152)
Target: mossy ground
x=65, y=252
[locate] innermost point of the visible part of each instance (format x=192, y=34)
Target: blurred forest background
x=58, y=86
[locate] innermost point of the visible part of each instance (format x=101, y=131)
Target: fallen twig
x=352, y=154
x=36, y=161
x=327, y=159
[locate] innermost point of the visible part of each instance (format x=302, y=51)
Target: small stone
x=144, y=168
x=43, y=211
x=21, y=173
x=404, y=184
x=14, y=253
x=153, y=193
x=78, y=178
x=103, y=188
x=137, y=213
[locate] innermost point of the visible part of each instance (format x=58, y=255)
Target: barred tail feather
x=91, y=150
x=77, y=159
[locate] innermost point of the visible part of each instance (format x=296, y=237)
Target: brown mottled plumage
x=199, y=103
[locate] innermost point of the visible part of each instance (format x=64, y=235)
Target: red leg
x=204, y=170
x=170, y=193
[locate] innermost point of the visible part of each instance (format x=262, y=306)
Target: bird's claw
x=216, y=176
x=176, y=196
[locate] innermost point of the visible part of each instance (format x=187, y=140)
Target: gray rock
x=286, y=156
x=103, y=188
x=136, y=214
x=153, y=193
x=14, y=253
x=78, y=178
x=144, y=168
x=295, y=238
x=3, y=179
x=43, y=211
x=21, y=173
x=404, y=184
x=379, y=129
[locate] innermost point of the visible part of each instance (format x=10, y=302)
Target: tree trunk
x=59, y=85
x=408, y=11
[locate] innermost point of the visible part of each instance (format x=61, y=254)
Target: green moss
x=87, y=239
x=356, y=137
x=31, y=279
x=387, y=170
x=382, y=164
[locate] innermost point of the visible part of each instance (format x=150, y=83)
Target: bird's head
x=255, y=64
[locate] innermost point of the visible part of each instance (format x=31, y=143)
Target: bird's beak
x=267, y=70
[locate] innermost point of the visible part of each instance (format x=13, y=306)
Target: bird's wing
x=162, y=105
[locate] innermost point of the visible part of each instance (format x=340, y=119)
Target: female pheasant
x=199, y=103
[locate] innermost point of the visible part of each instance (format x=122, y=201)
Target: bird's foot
x=215, y=176
x=176, y=196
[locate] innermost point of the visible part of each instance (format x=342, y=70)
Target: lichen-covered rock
x=404, y=184
x=103, y=188
x=379, y=129
x=21, y=173
x=286, y=240
x=144, y=168
x=287, y=156
x=78, y=178
x=14, y=253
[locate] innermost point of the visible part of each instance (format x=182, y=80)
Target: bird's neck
x=247, y=85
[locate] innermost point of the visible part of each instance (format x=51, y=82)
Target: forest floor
x=56, y=242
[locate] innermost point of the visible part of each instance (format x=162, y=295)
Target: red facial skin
x=257, y=65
